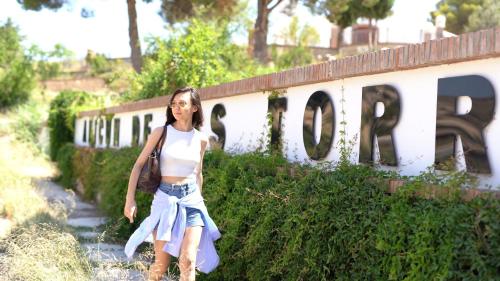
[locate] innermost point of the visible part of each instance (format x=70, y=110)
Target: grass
x=41, y=251
x=35, y=242
x=37, y=247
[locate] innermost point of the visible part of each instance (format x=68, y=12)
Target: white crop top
x=180, y=155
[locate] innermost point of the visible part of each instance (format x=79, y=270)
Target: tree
x=301, y=38
x=344, y=13
x=373, y=9
x=37, y=5
x=197, y=56
x=133, y=33
x=174, y=11
x=16, y=68
x=457, y=13
x=48, y=63
x=487, y=16
x=259, y=36
x=181, y=10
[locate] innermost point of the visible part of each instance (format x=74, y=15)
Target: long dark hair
x=195, y=101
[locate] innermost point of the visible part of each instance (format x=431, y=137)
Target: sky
x=107, y=31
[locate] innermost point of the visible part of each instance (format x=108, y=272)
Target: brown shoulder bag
x=150, y=176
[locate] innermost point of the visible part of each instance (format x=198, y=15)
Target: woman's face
x=181, y=106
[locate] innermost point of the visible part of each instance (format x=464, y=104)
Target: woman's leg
x=162, y=260
x=189, y=248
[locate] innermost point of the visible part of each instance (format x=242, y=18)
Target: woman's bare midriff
x=174, y=180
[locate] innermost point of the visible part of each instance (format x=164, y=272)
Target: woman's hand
x=130, y=210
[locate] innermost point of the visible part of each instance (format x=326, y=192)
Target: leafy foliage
x=98, y=63
x=62, y=115
x=200, y=56
x=16, y=70
x=37, y=5
x=345, y=12
x=457, y=13
x=48, y=63
x=64, y=159
x=288, y=221
x=174, y=11
x=301, y=37
x=486, y=16
x=28, y=120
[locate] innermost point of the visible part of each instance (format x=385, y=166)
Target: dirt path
x=84, y=220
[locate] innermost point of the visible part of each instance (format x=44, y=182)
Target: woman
x=178, y=220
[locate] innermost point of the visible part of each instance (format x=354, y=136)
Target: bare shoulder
x=157, y=131
x=203, y=138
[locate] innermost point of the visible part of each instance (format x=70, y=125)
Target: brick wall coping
x=466, y=47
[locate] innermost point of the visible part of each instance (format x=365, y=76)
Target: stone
x=87, y=222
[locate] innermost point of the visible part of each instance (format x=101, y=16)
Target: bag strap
x=162, y=139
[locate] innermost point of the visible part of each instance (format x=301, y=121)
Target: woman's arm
x=199, y=176
x=153, y=139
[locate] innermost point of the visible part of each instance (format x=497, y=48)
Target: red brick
x=341, y=63
x=420, y=57
x=470, y=44
x=375, y=64
x=411, y=54
x=356, y=65
x=497, y=40
x=331, y=69
x=401, y=57
x=335, y=69
x=363, y=63
x=387, y=58
x=443, y=52
x=381, y=60
x=476, y=42
x=453, y=43
x=368, y=62
x=483, y=45
x=463, y=46
x=433, y=52
x=351, y=65
x=390, y=59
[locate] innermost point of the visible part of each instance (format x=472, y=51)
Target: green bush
x=65, y=157
x=288, y=221
x=98, y=63
x=16, y=70
x=295, y=57
x=28, y=120
x=62, y=115
x=444, y=239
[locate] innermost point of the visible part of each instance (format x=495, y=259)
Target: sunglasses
x=180, y=104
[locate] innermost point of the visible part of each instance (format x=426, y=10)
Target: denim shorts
x=194, y=216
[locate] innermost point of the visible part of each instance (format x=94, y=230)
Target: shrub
x=289, y=221
x=65, y=157
x=444, y=238
x=28, y=120
x=62, y=115
x=98, y=63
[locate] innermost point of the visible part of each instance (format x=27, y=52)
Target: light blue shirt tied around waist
x=171, y=227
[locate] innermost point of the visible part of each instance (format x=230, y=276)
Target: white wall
x=414, y=135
